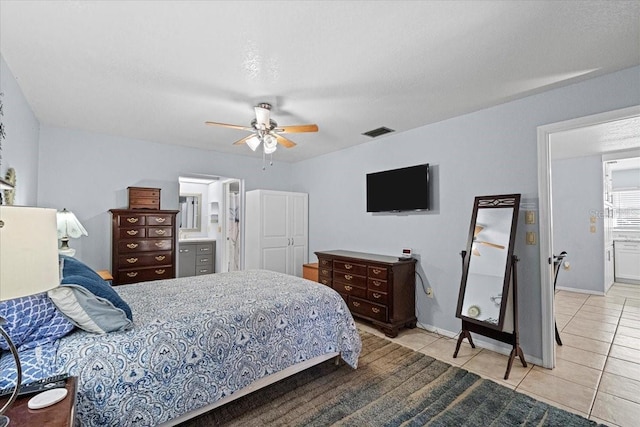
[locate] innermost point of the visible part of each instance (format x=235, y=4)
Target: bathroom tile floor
x=597, y=373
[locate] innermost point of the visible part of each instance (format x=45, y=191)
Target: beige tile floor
x=597, y=373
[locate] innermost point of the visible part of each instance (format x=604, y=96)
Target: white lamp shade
x=262, y=117
x=69, y=226
x=270, y=144
x=28, y=251
x=253, y=142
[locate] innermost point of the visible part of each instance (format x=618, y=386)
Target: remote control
x=55, y=381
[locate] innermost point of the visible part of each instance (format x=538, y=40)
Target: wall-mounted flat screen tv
x=404, y=189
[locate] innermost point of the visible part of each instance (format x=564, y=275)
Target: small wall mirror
x=190, y=207
x=485, y=288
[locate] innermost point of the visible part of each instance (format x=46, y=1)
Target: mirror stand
x=502, y=336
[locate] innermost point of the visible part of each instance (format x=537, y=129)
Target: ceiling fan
x=477, y=231
x=266, y=131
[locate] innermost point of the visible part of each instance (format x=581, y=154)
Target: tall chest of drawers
x=377, y=288
x=143, y=245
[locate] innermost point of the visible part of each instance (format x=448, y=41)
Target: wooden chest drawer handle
x=161, y=232
x=159, y=244
x=132, y=274
x=348, y=266
x=160, y=258
x=348, y=276
x=348, y=288
x=161, y=220
x=325, y=262
x=356, y=304
x=132, y=220
x=160, y=271
x=132, y=232
x=325, y=272
x=376, y=295
x=132, y=245
x=376, y=283
x=132, y=260
x=324, y=281
x=376, y=271
x=375, y=310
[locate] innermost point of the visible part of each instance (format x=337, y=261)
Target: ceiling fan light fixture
x=262, y=115
x=270, y=144
x=253, y=142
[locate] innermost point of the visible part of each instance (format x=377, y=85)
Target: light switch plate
x=530, y=217
x=531, y=238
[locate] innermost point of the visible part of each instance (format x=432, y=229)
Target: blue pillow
x=32, y=321
x=88, y=301
x=74, y=272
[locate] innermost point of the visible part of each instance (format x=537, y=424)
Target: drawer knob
x=132, y=220
x=161, y=232
x=204, y=249
x=203, y=260
x=132, y=274
x=160, y=258
x=348, y=266
x=203, y=271
x=325, y=272
x=348, y=288
x=375, y=283
x=356, y=304
x=161, y=220
x=376, y=271
x=324, y=281
x=159, y=244
x=132, y=260
x=375, y=310
x=160, y=271
x=132, y=232
x=348, y=276
x=132, y=245
x=376, y=295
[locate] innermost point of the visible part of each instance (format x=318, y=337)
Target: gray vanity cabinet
x=196, y=258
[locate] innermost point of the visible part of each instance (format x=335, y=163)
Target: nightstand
x=105, y=274
x=61, y=414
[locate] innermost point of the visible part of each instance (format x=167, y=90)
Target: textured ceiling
x=157, y=70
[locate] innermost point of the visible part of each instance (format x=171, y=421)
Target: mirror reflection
x=487, y=264
x=190, y=212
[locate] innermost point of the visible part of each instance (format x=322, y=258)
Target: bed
x=198, y=342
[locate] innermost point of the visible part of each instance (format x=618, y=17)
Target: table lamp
x=28, y=265
x=68, y=226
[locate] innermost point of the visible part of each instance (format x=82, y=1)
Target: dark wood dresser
x=377, y=288
x=143, y=245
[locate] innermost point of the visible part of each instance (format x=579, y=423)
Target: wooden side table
x=61, y=414
x=105, y=274
x=310, y=271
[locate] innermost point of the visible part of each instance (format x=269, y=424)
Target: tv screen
x=404, y=189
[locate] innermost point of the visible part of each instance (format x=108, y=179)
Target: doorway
x=545, y=134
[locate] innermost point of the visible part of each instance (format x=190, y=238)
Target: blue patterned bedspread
x=199, y=339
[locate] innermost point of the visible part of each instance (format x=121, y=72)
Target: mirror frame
x=491, y=202
x=199, y=212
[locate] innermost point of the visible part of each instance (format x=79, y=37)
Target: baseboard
x=579, y=291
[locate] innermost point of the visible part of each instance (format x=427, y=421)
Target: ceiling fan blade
x=297, y=128
x=226, y=125
x=284, y=141
x=243, y=140
x=477, y=230
x=493, y=245
x=476, y=252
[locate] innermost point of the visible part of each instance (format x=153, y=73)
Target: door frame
x=545, y=216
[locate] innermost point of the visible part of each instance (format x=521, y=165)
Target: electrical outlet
x=430, y=292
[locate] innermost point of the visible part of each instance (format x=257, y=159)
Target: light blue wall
x=20, y=148
x=577, y=188
x=492, y=151
x=89, y=173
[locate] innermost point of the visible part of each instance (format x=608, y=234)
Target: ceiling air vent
x=378, y=132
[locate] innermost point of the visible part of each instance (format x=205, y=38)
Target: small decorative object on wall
x=10, y=193
x=7, y=185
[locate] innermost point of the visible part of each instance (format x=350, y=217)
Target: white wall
x=88, y=173
x=20, y=148
x=577, y=189
x=492, y=151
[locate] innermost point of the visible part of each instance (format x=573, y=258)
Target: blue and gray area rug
x=393, y=386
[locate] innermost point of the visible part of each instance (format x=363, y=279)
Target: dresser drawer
x=378, y=285
x=356, y=291
x=325, y=281
x=131, y=220
x=349, y=279
x=144, y=260
x=378, y=272
x=128, y=246
x=378, y=297
x=326, y=263
x=159, y=231
x=349, y=267
x=144, y=274
x=159, y=219
x=325, y=272
x=132, y=232
x=369, y=309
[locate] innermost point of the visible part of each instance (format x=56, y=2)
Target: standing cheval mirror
x=487, y=303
